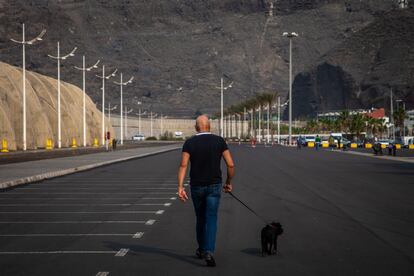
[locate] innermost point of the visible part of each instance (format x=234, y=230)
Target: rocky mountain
x=177, y=50
x=361, y=71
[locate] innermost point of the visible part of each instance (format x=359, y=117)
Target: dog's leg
x=275, y=246
x=270, y=248
x=264, y=247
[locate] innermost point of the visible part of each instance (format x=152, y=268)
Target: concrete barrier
x=49, y=144
x=397, y=146
x=368, y=146
x=311, y=144
x=354, y=145
x=4, y=146
x=410, y=146
x=383, y=146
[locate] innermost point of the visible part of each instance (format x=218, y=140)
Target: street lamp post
x=24, y=43
x=222, y=88
x=290, y=36
x=139, y=117
x=104, y=77
x=122, y=84
x=59, y=58
x=84, y=69
x=126, y=119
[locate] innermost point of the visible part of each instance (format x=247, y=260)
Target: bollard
x=411, y=146
x=49, y=144
x=311, y=144
x=368, y=146
x=95, y=143
x=354, y=145
x=383, y=146
x=397, y=146
x=325, y=145
x=74, y=145
x=4, y=146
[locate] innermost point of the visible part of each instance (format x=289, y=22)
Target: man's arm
x=185, y=157
x=230, y=171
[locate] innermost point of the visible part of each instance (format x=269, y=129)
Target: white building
x=403, y=4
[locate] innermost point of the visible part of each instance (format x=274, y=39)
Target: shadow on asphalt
x=257, y=252
x=136, y=250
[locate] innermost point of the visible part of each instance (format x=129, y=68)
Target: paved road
x=343, y=215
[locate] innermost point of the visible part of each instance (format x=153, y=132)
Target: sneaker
x=210, y=260
x=199, y=253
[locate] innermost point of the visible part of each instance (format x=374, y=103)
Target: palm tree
x=344, y=121
x=399, y=117
x=358, y=124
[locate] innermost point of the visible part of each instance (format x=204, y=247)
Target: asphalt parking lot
x=342, y=214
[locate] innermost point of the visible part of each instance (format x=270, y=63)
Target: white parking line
x=102, y=273
x=150, y=222
x=136, y=235
x=82, y=193
x=94, y=188
x=158, y=212
x=55, y=252
x=77, y=222
x=82, y=204
x=122, y=252
x=159, y=198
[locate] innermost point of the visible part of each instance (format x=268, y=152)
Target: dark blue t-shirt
x=206, y=151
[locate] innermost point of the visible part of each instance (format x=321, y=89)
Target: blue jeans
x=206, y=201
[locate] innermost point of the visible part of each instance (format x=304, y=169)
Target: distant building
x=403, y=4
x=372, y=113
x=409, y=122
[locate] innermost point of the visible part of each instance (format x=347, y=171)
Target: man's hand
x=227, y=188
x=182, y=194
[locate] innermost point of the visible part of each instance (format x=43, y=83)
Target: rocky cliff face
x=360, y=72
x=178, y=50
x=41, y=96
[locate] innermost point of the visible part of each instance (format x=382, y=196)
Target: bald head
x=202, y=124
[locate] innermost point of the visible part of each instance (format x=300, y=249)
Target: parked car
x=138, y=137
x=385, y=142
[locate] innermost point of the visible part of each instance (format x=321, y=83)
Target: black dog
x=270, y=234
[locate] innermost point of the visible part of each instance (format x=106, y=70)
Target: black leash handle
x=250, y=209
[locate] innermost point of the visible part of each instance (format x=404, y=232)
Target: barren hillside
x=178, y=50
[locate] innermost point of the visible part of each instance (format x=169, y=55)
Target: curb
x=49, y=175
x=388, y=158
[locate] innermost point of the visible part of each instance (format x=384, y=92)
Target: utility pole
x=104, y=77
x=84, y=69
x=23, y=42
x=222, y=88
x=278, y=120
x=268, y=123
x=122, y=84
x=290, y=36
x=126, y=119
x=392, y=115
x=59, y=58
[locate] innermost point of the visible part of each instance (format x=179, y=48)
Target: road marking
x=138, y=235
x=159, y=198
x=150, y=222
x=122, y=252
x=94, y=188
x=159, y=212
x=102, y=273
x=70, y=235
x=75, y=222
x=46, y=193
x=55, y=252
x=84, y=204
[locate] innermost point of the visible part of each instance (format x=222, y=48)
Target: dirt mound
x=42, y=110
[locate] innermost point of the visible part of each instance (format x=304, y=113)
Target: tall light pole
x=222, y=88
x=104, y=77
x=84, y=69
x=268, y=123
x=109, y=109
x=126, y=119
x=139, y=117
x=59, y=58
x=392, y=115
x=290, y=36
x=24, y=43
x=122, y=84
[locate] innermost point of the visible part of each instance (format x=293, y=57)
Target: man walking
x=204, y=151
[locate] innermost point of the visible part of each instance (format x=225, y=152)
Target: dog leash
x=250, y=209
